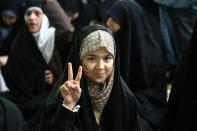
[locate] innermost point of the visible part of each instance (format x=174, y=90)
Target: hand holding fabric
x=49, y=76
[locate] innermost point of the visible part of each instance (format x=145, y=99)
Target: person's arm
x=66, y=115
x=58, y=18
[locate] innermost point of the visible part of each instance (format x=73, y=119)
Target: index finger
x=70, y=71
x=79, y=74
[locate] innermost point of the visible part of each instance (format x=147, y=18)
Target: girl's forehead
x=102, y=51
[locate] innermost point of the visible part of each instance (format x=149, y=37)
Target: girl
x=97, y=99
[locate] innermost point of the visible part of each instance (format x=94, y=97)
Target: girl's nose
x=100, y=64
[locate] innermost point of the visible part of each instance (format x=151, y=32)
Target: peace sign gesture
x=71, y=90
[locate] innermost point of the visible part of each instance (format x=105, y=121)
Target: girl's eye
x=91, y=59
x=108, y=58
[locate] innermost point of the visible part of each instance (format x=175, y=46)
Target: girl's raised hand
x=71, y=90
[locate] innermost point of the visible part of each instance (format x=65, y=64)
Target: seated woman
x=34, y=61
x=97, y=98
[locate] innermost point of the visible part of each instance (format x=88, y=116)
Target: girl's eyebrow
x=91, y=55
x=102, y=56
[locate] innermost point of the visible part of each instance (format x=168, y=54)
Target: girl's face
x=98, y=65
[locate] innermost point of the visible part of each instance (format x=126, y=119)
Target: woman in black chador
x=182, y=107
x=34, y=62
x=142, y=62
x=97, y=99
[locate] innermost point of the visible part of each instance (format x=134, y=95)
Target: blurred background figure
x=8, y=19
x=142, y=62
x=8, y=13
x=34, y=62
x=181, y=112
x=86, y=12
x=71, y=8
x=177, y=19
x=8, y=16
x=72, y=11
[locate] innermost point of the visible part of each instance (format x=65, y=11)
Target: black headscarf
x=182, y=106
x=120, y=112
x=32, y=3
x=141, y=59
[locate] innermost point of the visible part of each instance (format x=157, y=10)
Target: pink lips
x=99, y=75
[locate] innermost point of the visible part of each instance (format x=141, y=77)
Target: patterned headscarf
x=95, y=41
x=99, y=93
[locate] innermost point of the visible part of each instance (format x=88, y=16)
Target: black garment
x=33, y=3
x=92, y=10
x=102, y=7
x=182, y=107
x=24, y=71
x=151, y=13
x=142, y=63
x=150, y=6
x=11, y=118
x=72, y=6
x=119, y=114
x=11, y=5
x=4, y=50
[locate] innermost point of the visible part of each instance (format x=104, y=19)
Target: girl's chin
x=99, y=80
